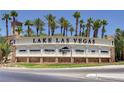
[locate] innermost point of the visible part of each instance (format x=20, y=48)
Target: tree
x=14, y=14
x=96, y=26
x=66, y=25
x=103, y=23
x=29, y=23
x=6, y=18
x=71, y=30
x=81, y=27
x=39, y=24
x=19, y=29
x=49, y=19
x=4, y=49
x=0, y=31
x=119, y=44
x=54, y=26
x=61, y=20
x=89, y=25
x=76, y=15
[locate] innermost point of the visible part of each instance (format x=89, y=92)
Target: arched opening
x=64, y=50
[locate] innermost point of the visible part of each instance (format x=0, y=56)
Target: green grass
x=31, y=65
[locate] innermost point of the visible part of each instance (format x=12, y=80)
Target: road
x=61, y=75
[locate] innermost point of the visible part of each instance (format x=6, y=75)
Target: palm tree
x=71, y=30
x=89, y=25
x=6, y=18
x=54, y=26
x=76, y=15
x=19, y=30
x=104, y=23
x=49, y=19
x=0, y=31
x=66, y=25
x=13, y=14
x=119, y=44
x=29, y=23
x=81, y=26
x=96, y=26
x=39, y=24
x=4, y=50
x=61, y=20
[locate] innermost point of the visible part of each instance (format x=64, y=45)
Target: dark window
x=64, y=50
x=112, y=42
x=93, y=51
x=22, y=50
x=104, y=51
x=78, y=50
x=35, y=50
x=49, y=50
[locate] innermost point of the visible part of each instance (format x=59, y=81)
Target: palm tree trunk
x=13, y=25
x=37, y=31
x=102, y=34
x=64, y=32
x=28, y=31
x=52, y=33
x=80, y=31
x=88, y=32
x=76, y=27
x=94, y=34
x=61, y=30
x=49, y=29
x=71, y=33
x=123, y=54
x=7, y=33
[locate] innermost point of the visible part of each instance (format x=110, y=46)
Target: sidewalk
x=94, y=67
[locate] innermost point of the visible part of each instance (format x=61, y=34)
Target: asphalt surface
x=58, y=75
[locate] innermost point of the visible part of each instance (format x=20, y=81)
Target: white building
x=57, y=49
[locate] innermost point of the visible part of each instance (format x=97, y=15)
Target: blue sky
x=115, y=17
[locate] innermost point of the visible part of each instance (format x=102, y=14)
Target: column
x=112, y=54
x=86, y=60
x=15, y=59
x=110, y=60
x=99, y=60
x=41, y=60
x=27, y=59
x=56, y=59
x=72, y=60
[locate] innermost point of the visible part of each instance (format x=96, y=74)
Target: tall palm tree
x=71, y=30
x=96, y=26
x=39, y=24
x=76, y=15
x=54, y=26
x=66, y=25
x=0, y=31
x=5, y=50
x=103, y=23
x=29, y=23
x=13, y=14
x=81, y=27
x=49, y=19
x=89, y=25
x=19, y=30
x=119, y=44
x=61, y=20
x=6, y=18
